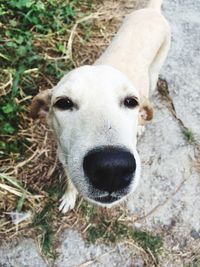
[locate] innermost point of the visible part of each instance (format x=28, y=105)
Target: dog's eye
x=64, y=104
x=130, y=102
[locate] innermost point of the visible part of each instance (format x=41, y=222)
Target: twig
x=4, y=86
x=73, y=31
x=95, y=259
x=161, y=204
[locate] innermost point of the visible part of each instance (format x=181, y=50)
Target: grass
x=189, y=135
x=33, y=34
x=109, y=229
x=43, y=222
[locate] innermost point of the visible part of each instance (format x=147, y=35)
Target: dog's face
x=94, y=112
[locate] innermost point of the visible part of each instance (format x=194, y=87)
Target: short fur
x=129, y=67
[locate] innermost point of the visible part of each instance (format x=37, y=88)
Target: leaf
x=60, y=47
x=11, y=44
x=9, y=108
x=18, y=75
x=19, y=39
x=21, y=51
x=2, y=145
x=8, y=129
x=13, y=181
x=13, y=22
x=21, y=202
x=39, y=6
x=5, y=57
x=21, y=3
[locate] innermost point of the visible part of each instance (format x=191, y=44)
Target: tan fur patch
x=40, y=104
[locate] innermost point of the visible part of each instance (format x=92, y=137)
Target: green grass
x=148, y=241
x=43, y=222
x=189, y=135
x=103, y=228
x=30, y=30
x=115, y=231
x=111, y=230
x=89, y=211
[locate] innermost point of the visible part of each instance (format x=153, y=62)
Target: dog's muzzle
x=110, y=170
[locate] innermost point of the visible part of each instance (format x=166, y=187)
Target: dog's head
x=94, y=112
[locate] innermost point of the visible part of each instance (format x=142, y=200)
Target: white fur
x=68, y=200
x=98, y=90
x=129, y=67
x=99, y=121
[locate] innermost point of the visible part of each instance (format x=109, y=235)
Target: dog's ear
x=145, y=112
x=40, y=104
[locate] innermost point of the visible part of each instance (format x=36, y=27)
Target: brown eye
x=130, y=102
x=64, y=104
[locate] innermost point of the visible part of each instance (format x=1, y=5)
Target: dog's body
x=140, y=48
x=96, y=111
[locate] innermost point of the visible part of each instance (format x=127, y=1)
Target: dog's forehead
x=95, y=79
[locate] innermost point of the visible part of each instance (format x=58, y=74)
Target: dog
x=96, y=111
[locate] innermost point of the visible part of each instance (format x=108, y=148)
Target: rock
x=23, y=254
x=194, y=234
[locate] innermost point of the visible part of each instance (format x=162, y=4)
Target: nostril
x=109, y=168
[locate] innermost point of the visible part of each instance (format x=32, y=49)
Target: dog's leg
x=157, y=63
x=68, y=200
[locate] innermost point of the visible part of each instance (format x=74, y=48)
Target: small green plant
x=148, y=241
x=43, y=221
x=111, y=230
x=189, y=135
x=89, y=211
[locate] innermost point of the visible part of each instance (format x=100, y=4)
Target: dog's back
x=137, y=43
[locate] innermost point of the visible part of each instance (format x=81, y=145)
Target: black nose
x=109, y=168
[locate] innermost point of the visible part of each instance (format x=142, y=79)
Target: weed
x=43, y=221
x=148, y=241
x=89, y=211
x=111, y=230
x=56, y=189
x=189, y=135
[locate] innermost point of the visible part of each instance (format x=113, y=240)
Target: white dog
x=96, y=111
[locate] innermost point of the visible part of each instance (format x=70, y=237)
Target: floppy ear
x=145, y=112
x=40, y=104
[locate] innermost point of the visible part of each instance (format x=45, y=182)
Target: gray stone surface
x=182, y=68
x=168, y=197
x=24, y=254
x=74, y=251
